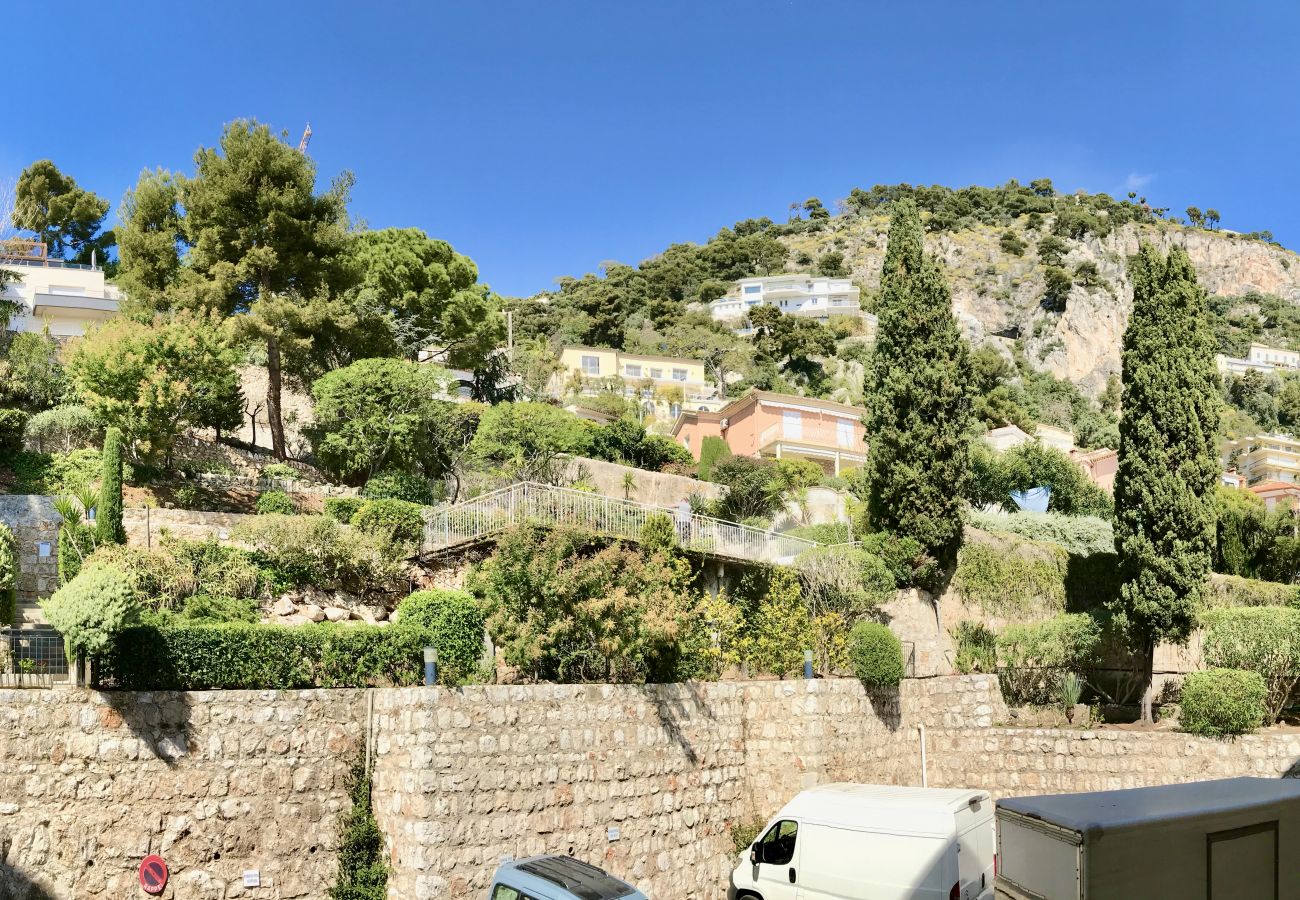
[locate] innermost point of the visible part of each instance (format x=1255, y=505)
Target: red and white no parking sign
x=153, y=874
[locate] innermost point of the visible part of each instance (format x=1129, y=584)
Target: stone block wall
x=216, y=782
x=33, y=521
x=145, y=526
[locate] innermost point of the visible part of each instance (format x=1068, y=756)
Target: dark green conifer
x=918, y=401
x=108, y=518
x=1168, y=454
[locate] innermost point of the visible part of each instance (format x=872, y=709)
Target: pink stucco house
x=780, y=426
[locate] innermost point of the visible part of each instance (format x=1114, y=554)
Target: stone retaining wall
x=217, y=782
x=145, y=526
x=33, y=521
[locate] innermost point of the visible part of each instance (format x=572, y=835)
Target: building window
x=632, y=371
x=844, y=432
x=679, y=374
x=753, y=289
x=791, y=425
x=686, y=441
x=591, y=365
x=675, y=410
x=656, y=373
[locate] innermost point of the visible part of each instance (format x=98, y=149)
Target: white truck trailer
x=1234, y=839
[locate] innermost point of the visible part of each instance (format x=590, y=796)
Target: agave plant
x=1068, y=690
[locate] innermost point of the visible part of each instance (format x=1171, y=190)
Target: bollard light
x=807, y=664
x=430, y=666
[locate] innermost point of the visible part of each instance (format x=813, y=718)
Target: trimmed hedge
x=342, y=509
x=275, y=503
x=876, y=655
x=403, y=520
x=178, y=655
x=1260, y=639
x=1221, y=702
x=1033, y=657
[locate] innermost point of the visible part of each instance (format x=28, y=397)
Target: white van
x=872, y=842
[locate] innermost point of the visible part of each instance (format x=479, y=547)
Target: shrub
x=282, y=472
x=1221, y=702
x=712, y=451
x=903, y=556
x=275, y=503
x=753, y=490
x=179, y=656
x=398, y=486
x=1229, y=590
x=844, y=579
x=61, y=429
x=404, y=521
x=363, y=871
x=8, y=577
x=743, y=834
x=12, y=424
x=342, y=509
x=876, y=655
x=92, y=609
x=108, y=518
x=316, y=550
x=1081, y=535
x=1033, y=657
x=780, y=629
x=1264, y=640
x=1005, y=581
x=977, y=648
x=827, y=533
x=453, y=622
x=658, y=533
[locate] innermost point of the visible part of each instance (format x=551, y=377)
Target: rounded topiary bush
x=403, y=520
x=876, y=655
x=93, y=608
x=275, y=503
x=453, y=622
x=1220, y=702
x=398, y=486
x=342, y=509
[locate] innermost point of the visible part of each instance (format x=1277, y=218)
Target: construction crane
x=306, y=139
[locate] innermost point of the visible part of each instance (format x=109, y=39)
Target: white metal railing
x=529, y=502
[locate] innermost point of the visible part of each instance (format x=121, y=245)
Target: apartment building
x=66, y=297
x=813, y=296
x=1263, y=458
x=780, y=426
x=663, y=386
x=1260, y=358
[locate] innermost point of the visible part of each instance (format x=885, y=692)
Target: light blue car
x=558, y=878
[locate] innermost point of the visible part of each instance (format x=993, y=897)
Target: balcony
x=74, y=306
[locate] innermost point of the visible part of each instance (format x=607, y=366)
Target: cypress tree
x=1168, y=455
x=108, y=518
x=918, y=402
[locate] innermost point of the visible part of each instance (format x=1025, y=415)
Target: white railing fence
x=529, y=502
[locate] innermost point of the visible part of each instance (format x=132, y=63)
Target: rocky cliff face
x=998, y=295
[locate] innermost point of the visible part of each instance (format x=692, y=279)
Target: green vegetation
x=1264, y=640
x=12, y=424
x=363, y=866
x=8, y=577
x=93, y=609
x=453, y=622
x=1006, y=581
x=62, y=429
x=977, y=647
x=994, y=476
x=1169, y=461
x=1079, y=535
x=398, y=486
x=404, y=521
x=318, y=551
x=876, y=655
x=1222, y=702
x=276, y=503
x=342, y=509
x=64, y=216
x=1034, y=657
x=108, y=517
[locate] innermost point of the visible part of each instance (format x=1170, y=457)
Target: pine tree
x=108, y=518
x=918, y=402
x=1168, y=459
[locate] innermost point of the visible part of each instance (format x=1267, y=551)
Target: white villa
x=66, y=297
x=1260, y=358
x=814, y=296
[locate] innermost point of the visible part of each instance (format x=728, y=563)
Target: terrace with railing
x=479, y=519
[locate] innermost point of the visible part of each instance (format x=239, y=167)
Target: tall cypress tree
x=918, y=401
x=1168, y=455
x=108, y=518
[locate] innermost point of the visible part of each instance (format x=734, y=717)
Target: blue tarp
x=1033, y=500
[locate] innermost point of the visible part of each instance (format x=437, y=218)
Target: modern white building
x=66, y=297
x=1260, y=358
x=814, y=296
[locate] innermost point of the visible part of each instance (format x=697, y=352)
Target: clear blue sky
x=542, y=138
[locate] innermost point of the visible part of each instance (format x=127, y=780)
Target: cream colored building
x=1260, y=358
x=1008, y=436
x=1263, y=458
x=65, y=297
x=662, y=386
x=811, y=296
